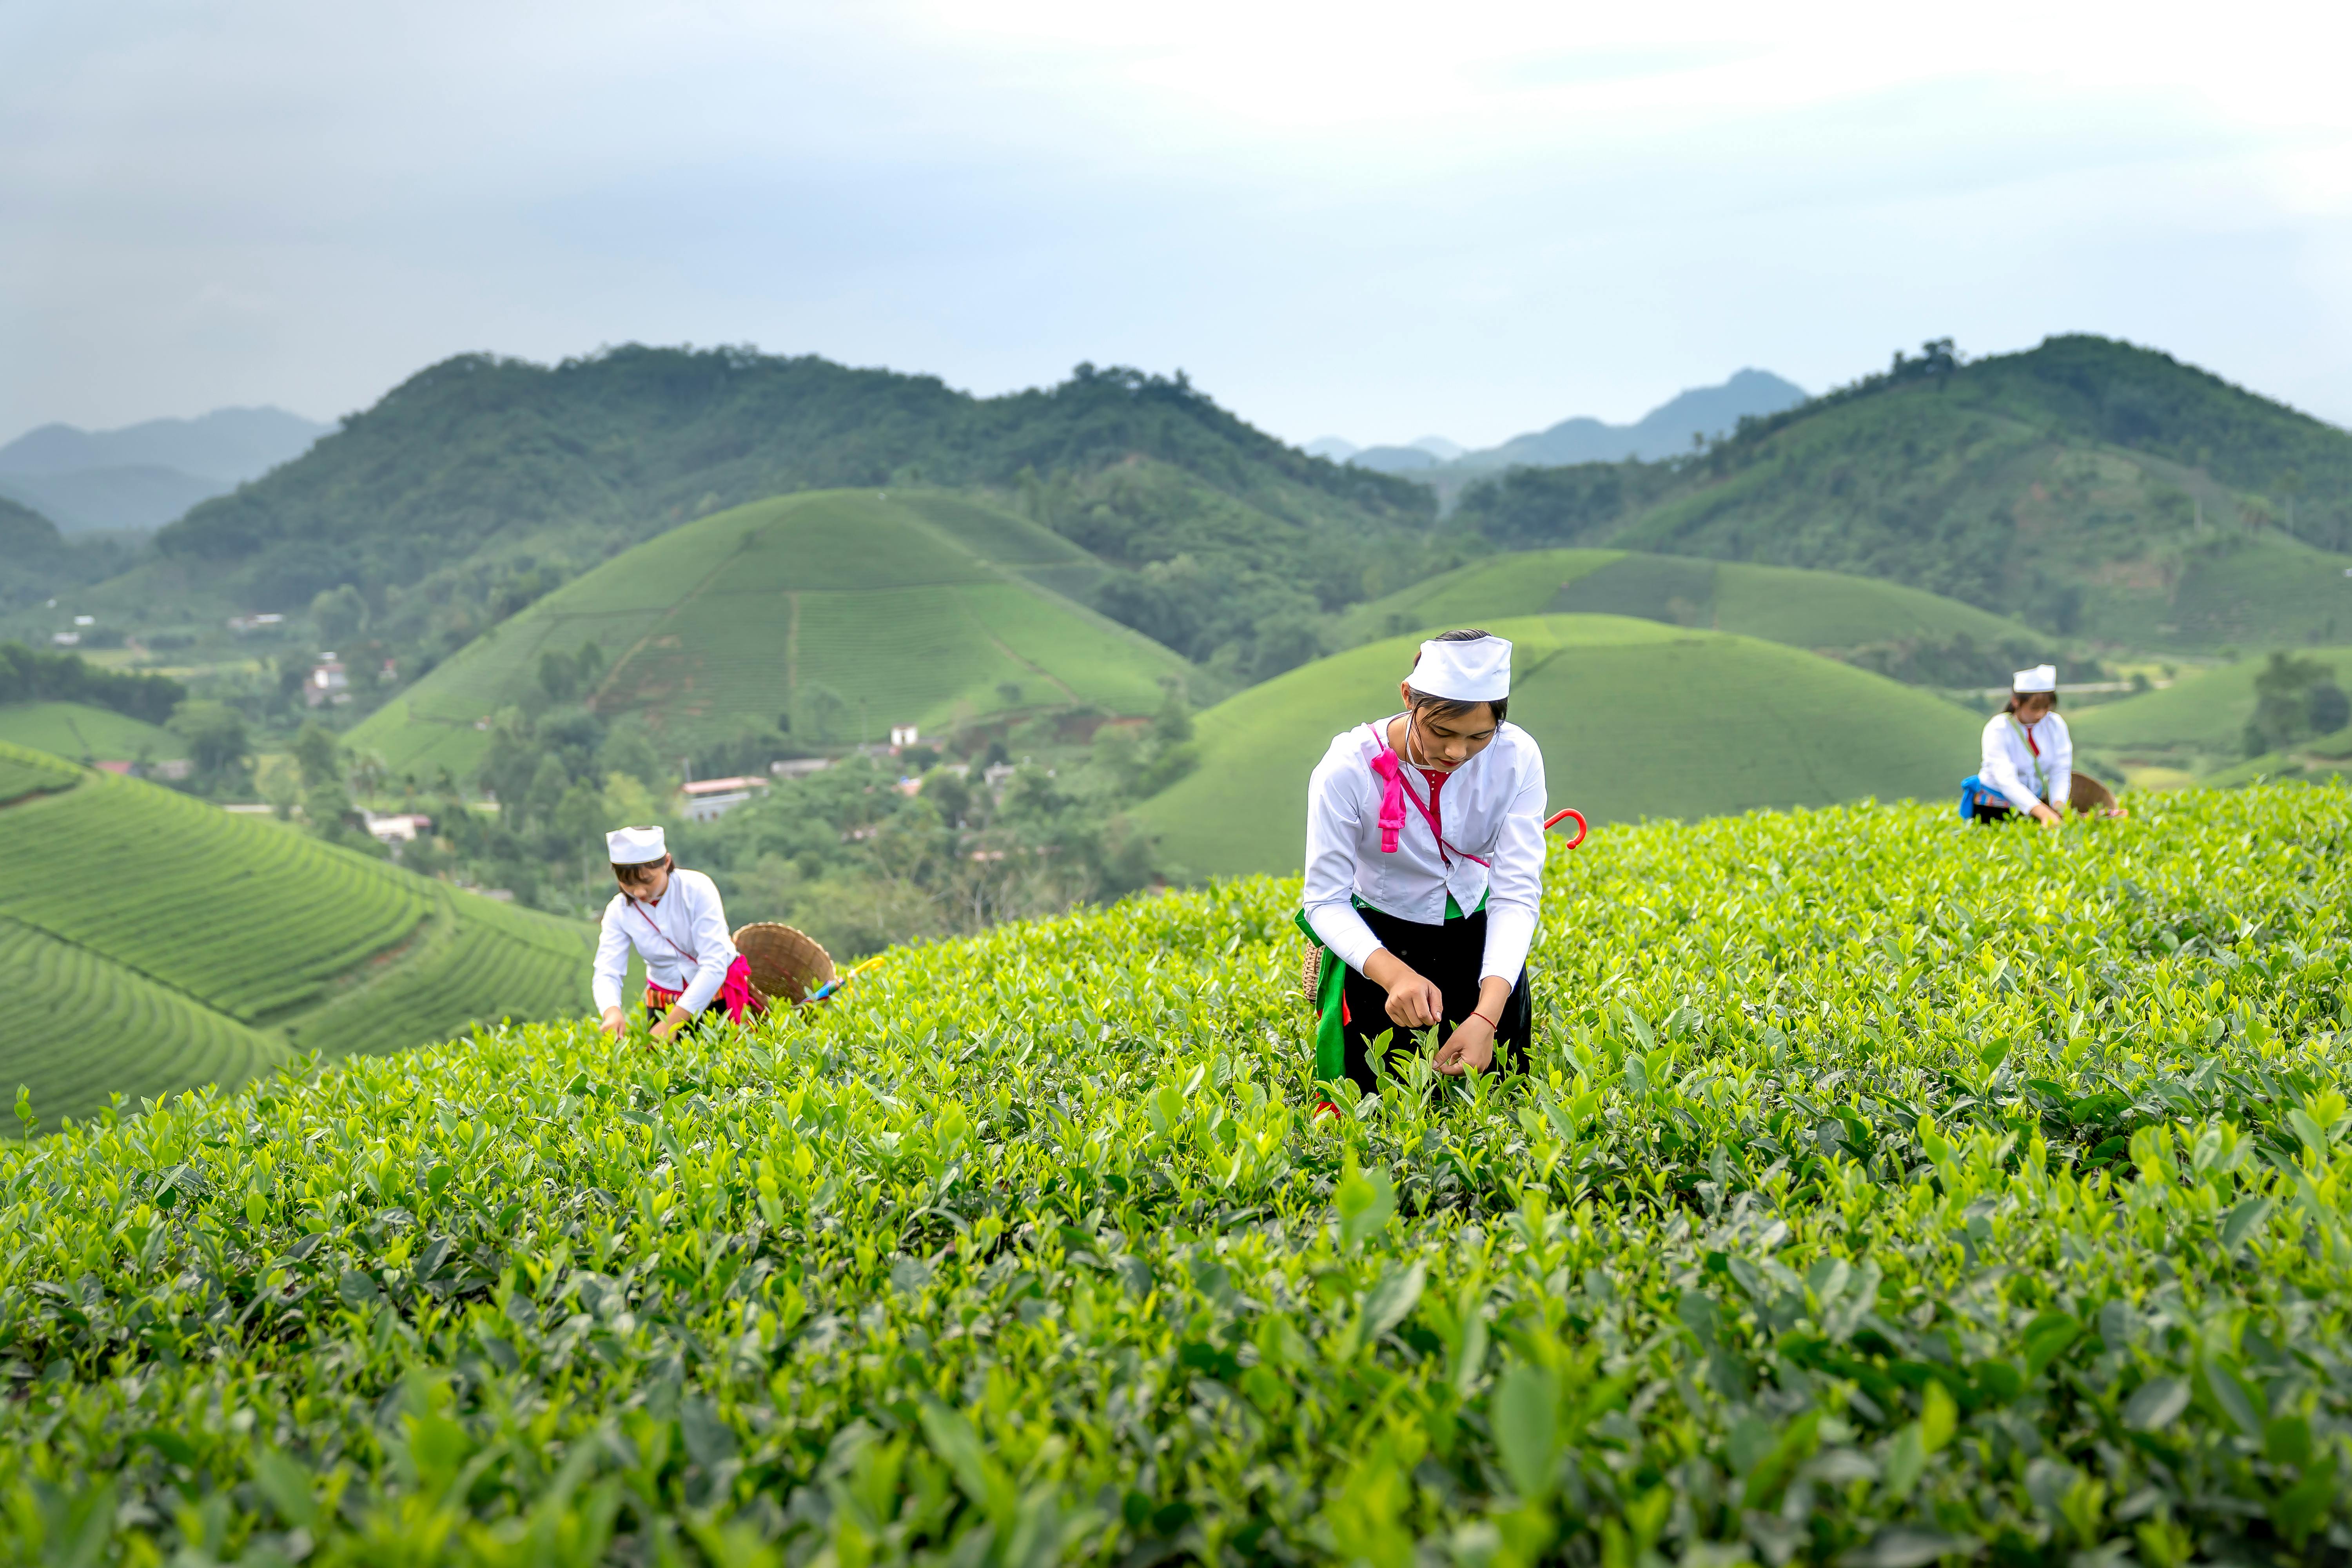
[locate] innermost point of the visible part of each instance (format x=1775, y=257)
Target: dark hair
x=2015, y=695
x=637, y=871
x=1446, y=707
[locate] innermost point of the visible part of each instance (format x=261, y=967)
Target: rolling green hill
x=159, y=943
x=79, y=730
x=843, y=612
x=2192, y=727
x=1823, y=610
x=2085, y=486
x=480, y=483
x=1636, y=719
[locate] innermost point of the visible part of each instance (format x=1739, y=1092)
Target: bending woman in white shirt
x=675, y=921
x=2028, y=764
x=1425, y=868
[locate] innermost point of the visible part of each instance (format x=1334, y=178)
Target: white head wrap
x=1476, y=671
x=634, y=845
x=2040, y=677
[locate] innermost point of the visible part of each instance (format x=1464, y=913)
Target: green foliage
x=1636, y=719
x=215, y=736
x=847, y=855
x=1883, y=1191
x=319, y=754
x=1528, y=507
x=2295, y=699
x=1223, y=581
x=339, y=615
x=37, y=563
x=27, y=675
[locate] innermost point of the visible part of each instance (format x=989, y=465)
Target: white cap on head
x=634, y=845
x=1474, y=671
x=2040, y=677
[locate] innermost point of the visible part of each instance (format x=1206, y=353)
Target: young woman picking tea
x=1425, y=868
x=675, y=921
x=2028, y=764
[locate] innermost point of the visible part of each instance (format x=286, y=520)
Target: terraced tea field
x=118, y=1031
x=24, y=772
x=165, y=943
x=1882, y=1191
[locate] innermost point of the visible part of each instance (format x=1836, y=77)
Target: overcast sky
x=1383, y=222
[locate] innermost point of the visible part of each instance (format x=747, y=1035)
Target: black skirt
x=1450, y=955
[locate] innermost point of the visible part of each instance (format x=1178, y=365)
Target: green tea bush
x=24, y=772
x=1883, y=1192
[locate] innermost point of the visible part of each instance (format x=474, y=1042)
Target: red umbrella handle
x=1557, y=818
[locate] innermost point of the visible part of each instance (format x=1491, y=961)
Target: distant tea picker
x=1424, y=870
x=674, y=920
x=2028, y=766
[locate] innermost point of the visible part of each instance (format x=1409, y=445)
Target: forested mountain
x=145, y=474
x=1665, y=431
x=480, y=482
x=2087, y=485
x=37, y=563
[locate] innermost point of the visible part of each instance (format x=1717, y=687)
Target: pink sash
x=735, y=990
x=1394, y=793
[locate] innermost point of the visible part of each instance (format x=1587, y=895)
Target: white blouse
x=683, y=938
x=1491, y=807
x=2008, y=762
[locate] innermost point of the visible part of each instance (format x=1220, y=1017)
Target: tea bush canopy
x=158, y=944
x=1882, y=1190
x=1636, y=719
x=843, y=612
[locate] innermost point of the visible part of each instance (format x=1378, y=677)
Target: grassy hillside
x=2085, y=486
x=2192, y=727
x=1636, y=719
x=1826, y=610
x=841, y=612
x=1886, y=1191
x=79, y=730
x=165, y=943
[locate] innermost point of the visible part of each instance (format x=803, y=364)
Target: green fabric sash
x=1330, y=1047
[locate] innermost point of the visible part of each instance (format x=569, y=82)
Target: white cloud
x=1375, y=219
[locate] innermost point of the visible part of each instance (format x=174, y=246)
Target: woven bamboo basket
x=786, y=965
x=1311, y=976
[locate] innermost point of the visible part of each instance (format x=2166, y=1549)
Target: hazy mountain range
x=1709, y=412
x=145, y=474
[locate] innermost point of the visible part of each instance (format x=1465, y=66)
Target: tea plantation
x=1884, y=1192
x=152, y=942
x=1636, y=719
